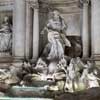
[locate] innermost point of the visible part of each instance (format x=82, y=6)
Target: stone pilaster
x=19, y=29
x=29, y=26
x=95, y=11
x=85, y=29
x=36, y=32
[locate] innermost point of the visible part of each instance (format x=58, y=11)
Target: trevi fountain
x=46, y=51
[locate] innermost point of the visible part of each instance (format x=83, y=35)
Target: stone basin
x=19, y=91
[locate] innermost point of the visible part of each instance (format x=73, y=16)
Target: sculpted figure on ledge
x=53, y=66
x=56, y=30
x=52, y=59
x=5, y=35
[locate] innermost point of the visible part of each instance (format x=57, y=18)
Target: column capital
x=83, y=3
x=33, y=4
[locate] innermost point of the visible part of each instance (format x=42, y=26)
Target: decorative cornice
x=55, y=4
x=64, y=4
x=6, y=5
x=6, y=2
x=59, y=3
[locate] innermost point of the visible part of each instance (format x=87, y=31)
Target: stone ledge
x=8, y=98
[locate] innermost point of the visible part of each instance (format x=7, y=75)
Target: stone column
x=36, y=32
x=95, y=8
x=19, y=29
x=85, y=29
x=29, y=26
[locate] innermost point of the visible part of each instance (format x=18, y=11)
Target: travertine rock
x=90, y=94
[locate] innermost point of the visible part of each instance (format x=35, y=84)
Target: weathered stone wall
x=73, y=22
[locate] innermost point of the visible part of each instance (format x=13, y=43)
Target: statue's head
x=6, y=18
x=56, y=14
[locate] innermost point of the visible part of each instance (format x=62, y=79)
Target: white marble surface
x=19, y=28
x=85, y=30
x=95, y=27
x=36, y=33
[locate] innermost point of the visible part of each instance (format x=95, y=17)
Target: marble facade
x=27, y=25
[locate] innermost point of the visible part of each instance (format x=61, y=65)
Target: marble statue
x=9, y=76
x=73, y=75
x=92, y=80
x=5, y=35
x=41, y=66
x=56, y=30
x=88, y=76
x=54, y=67
x=84, y=79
